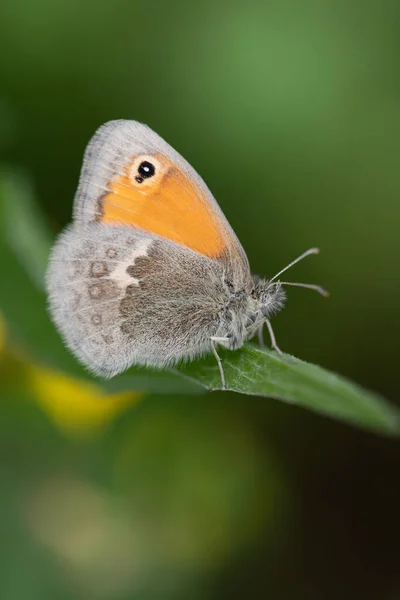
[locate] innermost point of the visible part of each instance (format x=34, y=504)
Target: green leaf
x=24, y=246
x=258, y=372
x=24, y=228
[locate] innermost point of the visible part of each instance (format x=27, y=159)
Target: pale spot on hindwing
x=120, y=275
x=104, y=290
x=99, y=269
x=95, y=291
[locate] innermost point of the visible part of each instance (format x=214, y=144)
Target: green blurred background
x=291, y=113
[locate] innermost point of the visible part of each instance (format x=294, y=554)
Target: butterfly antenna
x=310, y=286
x=296, y=260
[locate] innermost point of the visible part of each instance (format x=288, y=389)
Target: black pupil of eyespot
x=146, y=169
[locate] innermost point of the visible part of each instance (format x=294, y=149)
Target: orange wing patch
x=157, y=196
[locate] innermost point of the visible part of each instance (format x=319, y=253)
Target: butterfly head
x=269, y=296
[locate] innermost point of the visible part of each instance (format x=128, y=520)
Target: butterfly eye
x=145, y=170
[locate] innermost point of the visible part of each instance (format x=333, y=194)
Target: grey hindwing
x=122, y=296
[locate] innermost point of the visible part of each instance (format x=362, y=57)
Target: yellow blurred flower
x=76, y=406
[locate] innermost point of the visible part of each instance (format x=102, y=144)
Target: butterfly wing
x=120, y=296
x=138, y=277
x=131, y=175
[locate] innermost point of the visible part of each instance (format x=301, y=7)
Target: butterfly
x=150, y=272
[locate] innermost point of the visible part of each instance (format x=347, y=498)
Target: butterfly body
x=150, y=271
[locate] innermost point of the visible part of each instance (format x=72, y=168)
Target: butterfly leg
x=274, y=345
x=261, y=336
x=219, y=361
